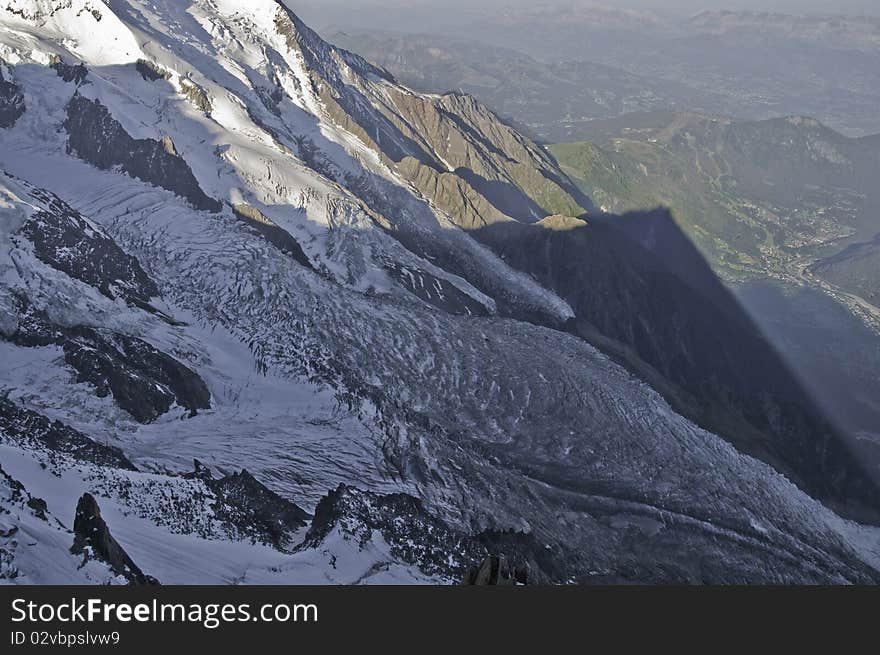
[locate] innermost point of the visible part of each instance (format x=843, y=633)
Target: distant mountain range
x=850, y=32
x=550, y=100
x=766, y=197
x=599, y=62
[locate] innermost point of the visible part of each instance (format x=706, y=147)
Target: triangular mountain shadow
x=643, y=294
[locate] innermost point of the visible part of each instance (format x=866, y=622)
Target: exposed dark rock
x=415, y=536
x=251, y=508
x=39, y=506
x=15, y=500
x=96, y=137
x=420, y=539
x=64, y=239
x=531, y=560
x=144, y=381
x=197, y=96
x=17, y=492
x=34, y=329
x=69, y=72
x=271, y=99
x=92, y=540
x=255, y=508
x=40, y=11
x=316, y=159
x=30, y=429
x=199, y=472
x=151, y=72
x=272, y=232
x=493, y=570
x=11, y=99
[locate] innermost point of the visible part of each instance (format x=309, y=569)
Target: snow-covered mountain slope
x=205, y=254
x=34, y=545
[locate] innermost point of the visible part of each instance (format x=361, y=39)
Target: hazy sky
x=871, y=7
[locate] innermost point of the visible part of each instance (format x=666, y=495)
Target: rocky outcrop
x=11, y=98
x=96, y=137
x=14, y=502
x=414, y=536
x=251, y=509
x=420, y=539
x=454, y=149
x=150, y=71
x=514, y=174
x=46, y=9
x=197, y=96
x=76, y=73
x=494, y=571
x=67, y=241
x=28, y=429
x=143, y=380
x=453, y=194
x=93, y=540
x=272, y=232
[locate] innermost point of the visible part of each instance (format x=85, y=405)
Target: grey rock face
x=144, y=381
x=64, y=239
x=150, y=71
x=92, y=539
x=37, y=11
x=494, y=571
x=197, y=96
x=30, y=429
x=253, y=509
x=414, y=535
x=76, y=73
x=99, y=139
x=11, y=100
x=422, y=540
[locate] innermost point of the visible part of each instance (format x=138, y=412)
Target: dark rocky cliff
x=92, y=540
x=11, y=100
x=99, y=139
